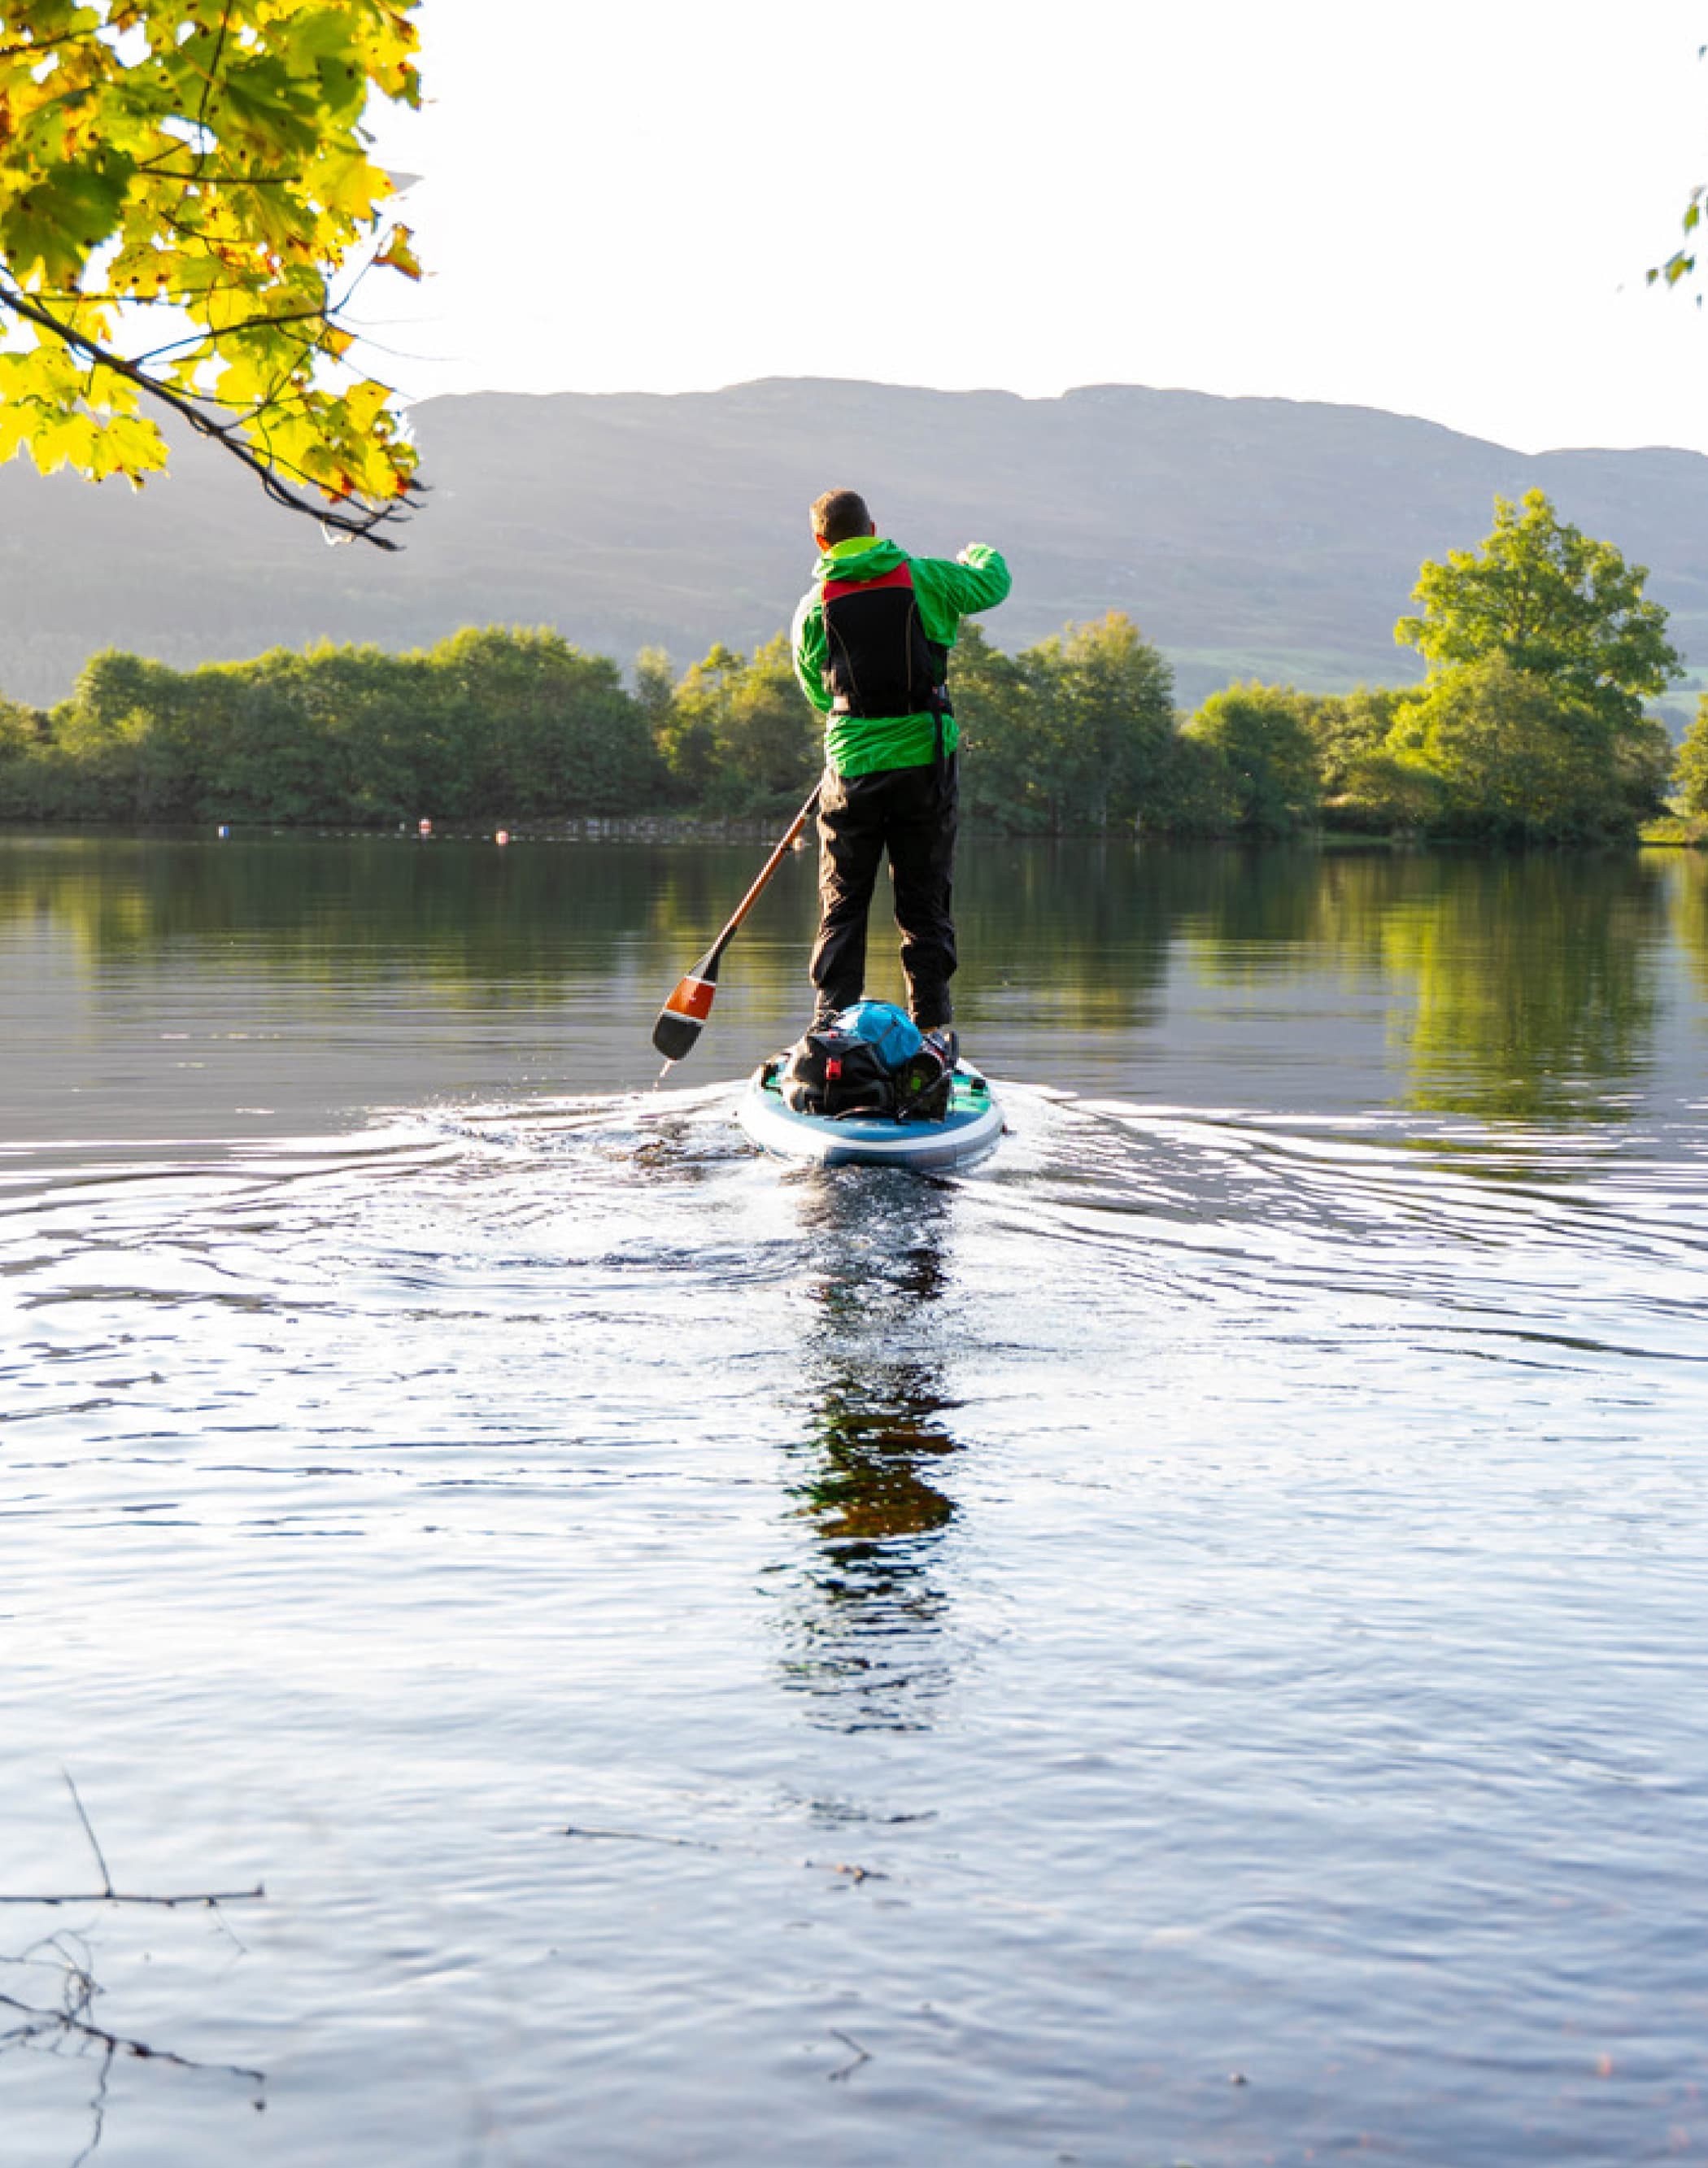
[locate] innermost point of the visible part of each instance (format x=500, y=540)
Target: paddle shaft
x=784, y=846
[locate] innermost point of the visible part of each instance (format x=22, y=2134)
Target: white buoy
x=423, y=828
x=502, y=836
x=225, y=831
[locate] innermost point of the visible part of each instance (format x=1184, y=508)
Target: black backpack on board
x=834, y=1073
x=831, y=1073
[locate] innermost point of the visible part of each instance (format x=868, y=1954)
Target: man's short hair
x=840, y=514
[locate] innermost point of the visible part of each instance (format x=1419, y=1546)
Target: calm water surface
x=1186, y=1644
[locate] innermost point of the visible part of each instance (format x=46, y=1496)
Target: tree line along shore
x=1530, y=726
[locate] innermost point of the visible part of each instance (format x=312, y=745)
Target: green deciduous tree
x=540, y=727
x=1556, y=605
x=1690, y=775
x=495, y=724
x=1259, y=738
x=769, y=743
x=1069, y=735
x=686, y=729
x=1106, y=705
x=1513, y=760
x=1349, y=730
x=735, y=734
x=993, y=695
x=18, y=729
x=186, y=200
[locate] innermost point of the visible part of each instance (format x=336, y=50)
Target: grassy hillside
x=1247, y=537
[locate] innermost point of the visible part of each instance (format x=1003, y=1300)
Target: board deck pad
x=966, y=1132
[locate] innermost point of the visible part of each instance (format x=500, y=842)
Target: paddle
x=683, y=1016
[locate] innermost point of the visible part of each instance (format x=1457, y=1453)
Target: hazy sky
x=1445, y=211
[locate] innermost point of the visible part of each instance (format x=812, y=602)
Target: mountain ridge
x=1273, y=538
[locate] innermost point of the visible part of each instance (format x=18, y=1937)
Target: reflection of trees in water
x=1688, y=873
x=1522, y=985
x=471, y=919
x=866, y=1618
x=1535, y=989
x=1072, y=935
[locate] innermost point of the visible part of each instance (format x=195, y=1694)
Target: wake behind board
x=966, y=1132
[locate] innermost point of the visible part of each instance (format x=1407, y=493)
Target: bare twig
x=126, y=1897
x=861, y=2055
x=644, y=1836
x=355, y=526
x=97, y=2109
x=107, y=1894
x=68, y=2019
x=89, y=1832
x=73, y=2018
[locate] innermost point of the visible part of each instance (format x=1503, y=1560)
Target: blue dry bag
x=890, y=1032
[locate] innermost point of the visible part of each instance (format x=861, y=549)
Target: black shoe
x=942, y=1038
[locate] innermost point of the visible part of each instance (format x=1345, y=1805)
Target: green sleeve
x=807, y=644
x=948, y=591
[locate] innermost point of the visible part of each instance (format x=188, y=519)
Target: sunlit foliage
x=735, y=733
x=1513, y=760
x=1069, y=736
x=495, y=724
x=186, y=202
x=1265, y=759
x=1690, y=777
x=1555, y=604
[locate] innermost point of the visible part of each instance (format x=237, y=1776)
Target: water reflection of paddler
x=867, y=1623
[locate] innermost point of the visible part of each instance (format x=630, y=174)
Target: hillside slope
x=1246, y=536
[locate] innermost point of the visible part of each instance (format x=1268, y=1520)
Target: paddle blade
x=683, y=1016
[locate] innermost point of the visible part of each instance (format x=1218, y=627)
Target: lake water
x=1184, y=1644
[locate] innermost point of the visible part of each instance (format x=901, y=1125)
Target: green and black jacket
x=944, y=592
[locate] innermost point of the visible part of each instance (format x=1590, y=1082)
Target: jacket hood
x=862, y=557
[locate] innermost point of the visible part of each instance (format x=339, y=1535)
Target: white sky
x=1445, y=210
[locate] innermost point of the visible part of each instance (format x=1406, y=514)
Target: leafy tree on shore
x=1069, y=735
x=1386, y=794
x=768, y=742
x=540, y=727
x=22, y=734
x=655, y=689
x=1690, y=776
x=1259, y=740
x=206, y=164
x=1516, y=761
x=1348, y=731
x=499, y=724
x=1105, y=699
x=735, y=733
x=1556, y=605
x=991, y=695
x=1542, y=648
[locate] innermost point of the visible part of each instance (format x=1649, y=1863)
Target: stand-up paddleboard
x=968, y=1130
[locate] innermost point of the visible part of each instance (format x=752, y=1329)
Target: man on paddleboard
x=872, y=640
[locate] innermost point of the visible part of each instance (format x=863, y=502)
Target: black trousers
x=912, y=813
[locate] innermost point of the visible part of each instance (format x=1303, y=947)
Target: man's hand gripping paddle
x=683, y=1016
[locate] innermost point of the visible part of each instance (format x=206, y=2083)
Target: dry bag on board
x=871, y=1059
